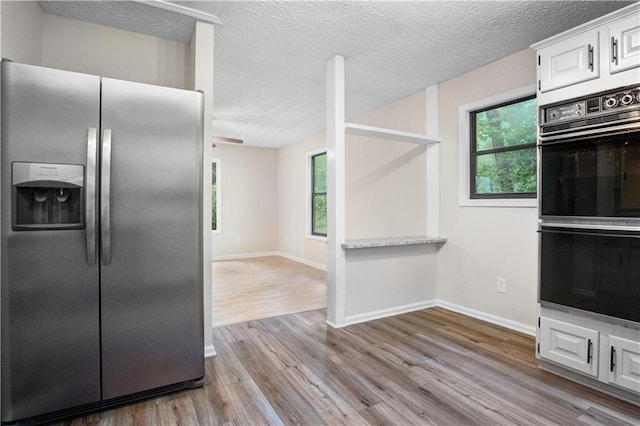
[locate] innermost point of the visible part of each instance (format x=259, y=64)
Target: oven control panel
x=617, y=101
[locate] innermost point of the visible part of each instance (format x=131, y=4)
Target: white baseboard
x=209, y=351
x=493, y=319
x=383, y=313
x=245, y=255
x=305, y=261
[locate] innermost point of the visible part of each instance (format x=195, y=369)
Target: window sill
x=505, y=202
x=317, y=238
x=217, y=231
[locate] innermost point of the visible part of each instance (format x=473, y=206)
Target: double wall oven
x=589, y=183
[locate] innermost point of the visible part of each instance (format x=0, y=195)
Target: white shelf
x=391, y=242
x=381, y=133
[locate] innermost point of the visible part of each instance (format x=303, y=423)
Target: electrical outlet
x=501, y=285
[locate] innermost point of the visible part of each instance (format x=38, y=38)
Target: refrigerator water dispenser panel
x=47, y=196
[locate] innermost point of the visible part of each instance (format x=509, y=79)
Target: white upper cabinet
x=624, y=45
x=569, y=62
x=600, y=55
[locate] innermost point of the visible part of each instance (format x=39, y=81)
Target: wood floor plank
x=106, y=418
x=595, y=417
x=396, y=389
x=498, y=403
x=213, y=404
x=327, y=403
x=177, y=411
x=226, y=366
x=283, y=397
x=139, y=414
x=383, y=414
x=251, y=405
x=273, y=349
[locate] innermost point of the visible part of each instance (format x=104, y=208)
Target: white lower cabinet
x=594, y=351
x=624, y=363
x=569, y=345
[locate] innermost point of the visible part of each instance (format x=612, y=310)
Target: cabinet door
x=569, y=62
x=569, y=345
x=624, y=45
x=624, y=367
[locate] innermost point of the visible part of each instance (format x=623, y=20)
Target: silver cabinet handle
x=614, y=51
x=105, y=198
x=90, y=201
x=591, y=57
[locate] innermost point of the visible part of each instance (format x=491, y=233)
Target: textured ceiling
x=125, y=15
x=270, y=56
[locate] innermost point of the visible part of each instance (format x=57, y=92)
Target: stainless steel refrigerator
x=101, y=241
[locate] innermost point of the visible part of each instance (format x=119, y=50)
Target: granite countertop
x=391, y=242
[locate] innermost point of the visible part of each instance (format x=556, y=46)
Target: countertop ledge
x=391, y=242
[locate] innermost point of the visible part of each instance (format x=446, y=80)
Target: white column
x=336, y=263
x=202, y=61
x=433, y=162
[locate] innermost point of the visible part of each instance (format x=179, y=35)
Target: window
x=503, y=150
x=497, y=150
x=215, y=195
x=319, y=194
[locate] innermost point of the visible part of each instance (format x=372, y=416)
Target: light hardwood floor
x=431, y=367
x=263, y=287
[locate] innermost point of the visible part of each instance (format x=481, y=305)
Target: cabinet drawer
x=569, y=345
x=624, y=368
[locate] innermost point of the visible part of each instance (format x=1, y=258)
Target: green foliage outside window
x=503, y=150
x=319, y=195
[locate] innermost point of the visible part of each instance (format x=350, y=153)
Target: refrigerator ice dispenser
x=47, y=196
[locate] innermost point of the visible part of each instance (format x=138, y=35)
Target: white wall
x=22, y=31
x=293, y=204
x=249, y=217
x=202, y=56
x=385, y=180
x=389, y=280
x=485, y=242
x=109, y=52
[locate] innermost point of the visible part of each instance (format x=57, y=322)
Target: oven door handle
x=590, y=232
x=567, y=136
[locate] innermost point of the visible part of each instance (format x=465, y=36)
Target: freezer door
x=151, y=227
x=50, y=322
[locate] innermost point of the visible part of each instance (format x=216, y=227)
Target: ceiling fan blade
x=225, y=139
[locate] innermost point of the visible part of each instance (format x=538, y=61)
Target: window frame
x=464, y=151
x=310, y=194
x=474, y=153
x=218, y=163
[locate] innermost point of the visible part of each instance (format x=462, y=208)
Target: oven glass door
x=596, y=271
x=592, y=177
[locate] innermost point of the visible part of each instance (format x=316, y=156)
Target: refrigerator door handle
x=105, y=198
x=90, y=230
